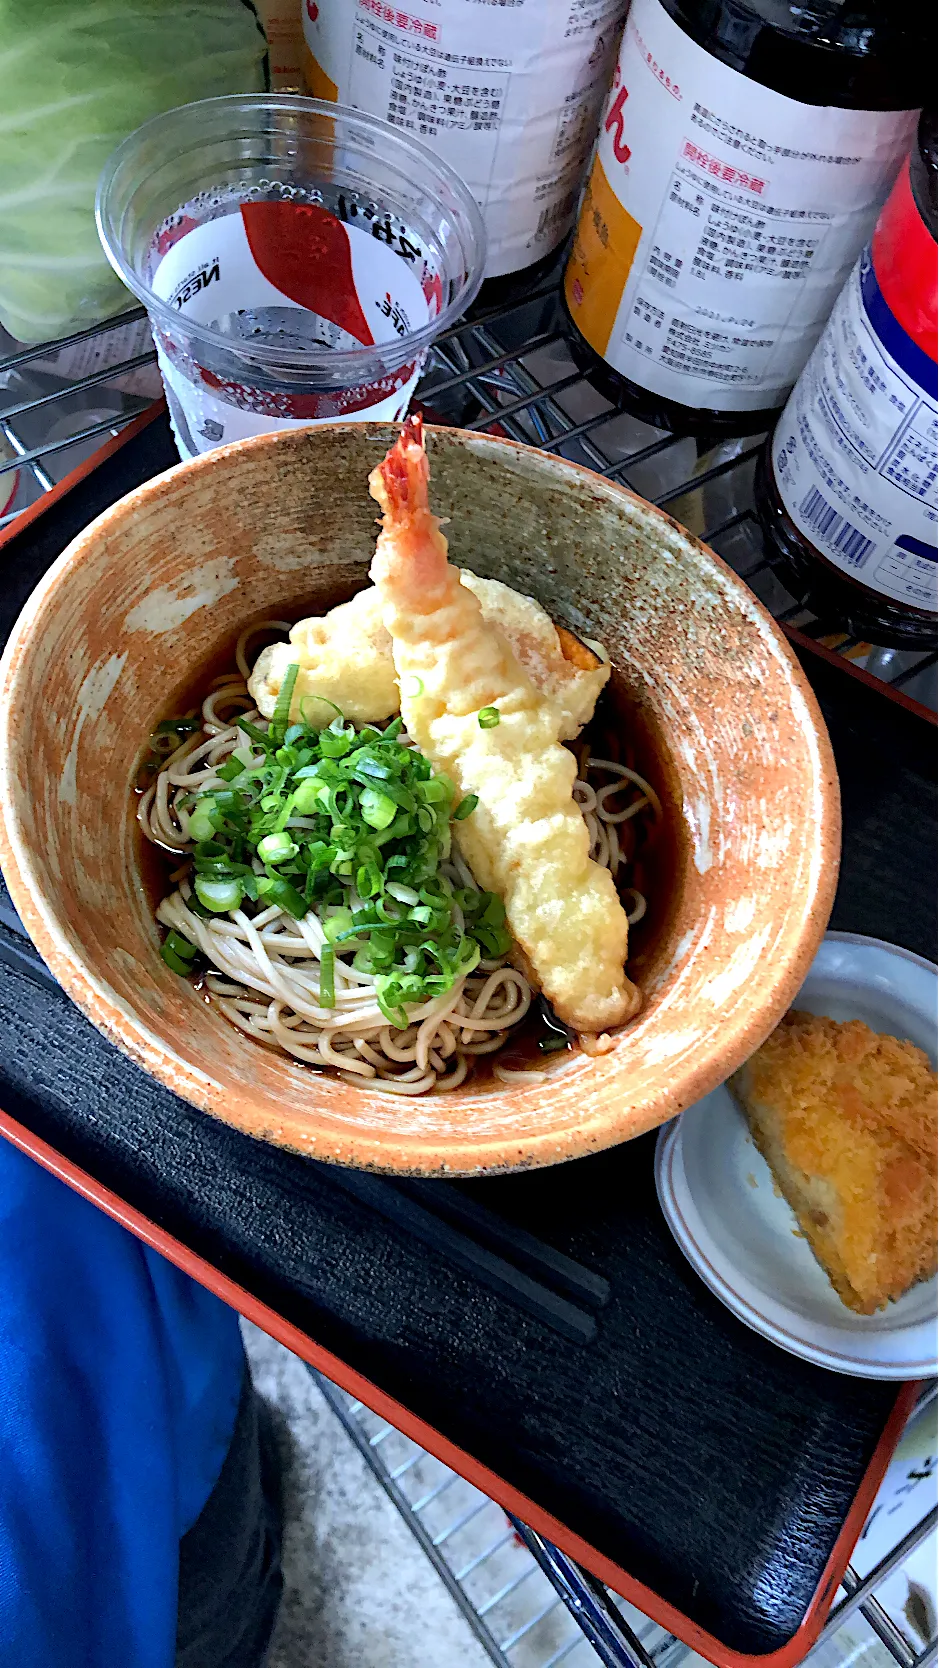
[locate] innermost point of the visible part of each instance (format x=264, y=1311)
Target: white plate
x=717, y=1194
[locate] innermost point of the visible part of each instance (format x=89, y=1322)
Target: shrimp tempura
x=475, y=714
x=344, y=658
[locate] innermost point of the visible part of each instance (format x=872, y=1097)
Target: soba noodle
x=264, y=965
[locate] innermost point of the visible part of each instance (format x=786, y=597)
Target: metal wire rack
x=60, y=401
x=510, y=370
x=530, y=1606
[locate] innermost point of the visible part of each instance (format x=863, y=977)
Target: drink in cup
x=296, y=259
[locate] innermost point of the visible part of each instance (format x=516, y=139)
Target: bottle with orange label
x=508, y=92
x=745, y=150
x=284, y=31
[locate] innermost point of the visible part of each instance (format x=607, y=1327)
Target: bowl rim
x=368, y=1148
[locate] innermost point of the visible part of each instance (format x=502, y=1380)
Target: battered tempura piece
x=846, y=1120
x=345, y=657
x=475, y=714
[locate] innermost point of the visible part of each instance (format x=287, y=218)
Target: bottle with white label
x=744, y=153
x=846, y=489
x=508, y=92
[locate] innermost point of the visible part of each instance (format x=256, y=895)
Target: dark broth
x=619, y=730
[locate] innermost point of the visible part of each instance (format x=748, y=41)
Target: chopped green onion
x=274, y=889
x=434, y=888
x=352, y=825
x=180, y=946
x=277, y=848
x=368, y=771
x=387, y=995
x=281, y=717
x=226, y=800
x=260, y=736
x=327, y=977
x=219, y=896
x=494, y=940
x=378, y=810
x=493, y=914
x=192, y=902
x=178, y=963
x=338, y=923
x=488, y=718
x=312, y=794
x=318, y=856
x=201, y=823
x=404, y=894
x=219, y=868
x=412, y=687
x=552, y=1044
x=335, y=742
x=368, y=880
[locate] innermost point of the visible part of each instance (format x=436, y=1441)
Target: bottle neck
x=867, y=56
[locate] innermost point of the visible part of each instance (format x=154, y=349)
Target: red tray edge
x=62, y=488
x=822, y=652
x=487, y=1481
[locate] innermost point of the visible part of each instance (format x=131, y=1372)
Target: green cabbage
x=76, y=76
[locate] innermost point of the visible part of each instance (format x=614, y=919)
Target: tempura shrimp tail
x=416, y=554
x=475, y=714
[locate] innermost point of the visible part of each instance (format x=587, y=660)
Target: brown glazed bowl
x=161, y=584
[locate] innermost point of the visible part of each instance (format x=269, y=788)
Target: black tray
x=679, y=1450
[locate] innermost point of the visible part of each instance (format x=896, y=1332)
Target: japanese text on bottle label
x=507, y=91
x=854, y=453
x=748, y=207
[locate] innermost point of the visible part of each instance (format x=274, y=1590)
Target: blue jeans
x=134, y=1532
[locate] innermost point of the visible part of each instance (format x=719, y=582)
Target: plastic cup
x=296, y=259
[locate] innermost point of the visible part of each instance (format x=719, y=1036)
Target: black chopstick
x=542, y=1261
x=501, y=1276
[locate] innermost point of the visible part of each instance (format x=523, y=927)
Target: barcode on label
x=839, y=533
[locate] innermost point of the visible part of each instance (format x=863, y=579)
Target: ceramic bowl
x=161, y=584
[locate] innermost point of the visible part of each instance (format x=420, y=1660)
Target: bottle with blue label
x=846, y=489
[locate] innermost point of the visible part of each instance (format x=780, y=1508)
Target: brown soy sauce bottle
x=744, y=153
x=846, y=487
